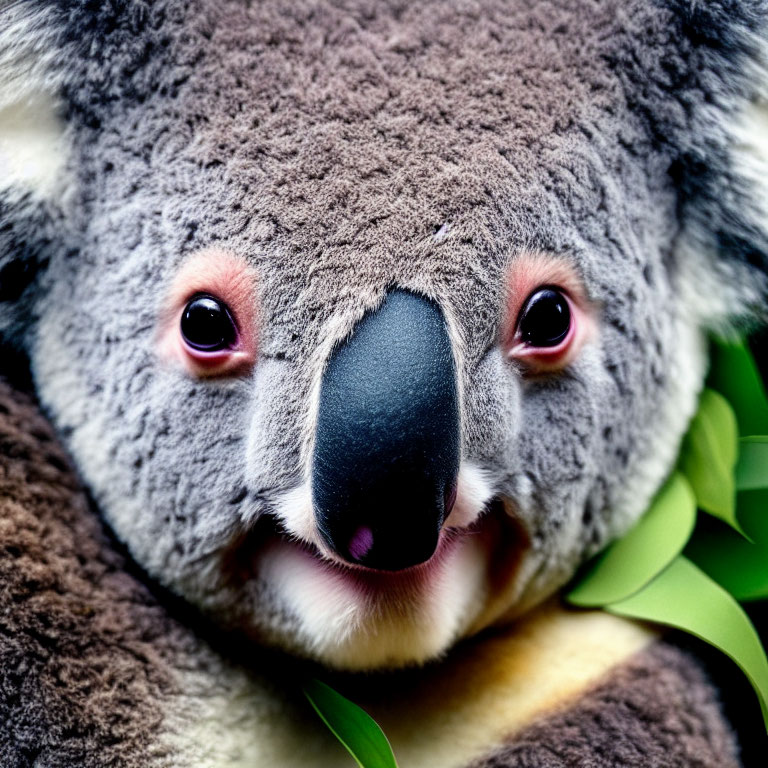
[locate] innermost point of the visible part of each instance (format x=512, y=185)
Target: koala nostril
x=393, y=549
x=361, y=542
x=387, y=443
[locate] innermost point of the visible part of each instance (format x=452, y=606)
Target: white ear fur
x=32, y=150
x=715, y=289
x=32, y=136
x=750, y=153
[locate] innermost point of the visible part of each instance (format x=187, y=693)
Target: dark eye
x=545, y=320
x=206, y=324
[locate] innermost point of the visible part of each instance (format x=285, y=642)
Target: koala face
x=366, y=323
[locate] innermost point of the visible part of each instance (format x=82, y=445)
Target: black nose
x=387, y=443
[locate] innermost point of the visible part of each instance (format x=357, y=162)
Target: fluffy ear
x=32, y=151
x=721, y=168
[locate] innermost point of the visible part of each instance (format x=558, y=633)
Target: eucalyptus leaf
x=352, y=726
x=684, y=597
x=648, y=548
x=738, y=565
x=753, y=515
x=752, y=468
x=734, y=375
x=709, y=454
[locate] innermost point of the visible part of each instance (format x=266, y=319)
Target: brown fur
x=80, y=674
x=91, y=663
x=657, y=711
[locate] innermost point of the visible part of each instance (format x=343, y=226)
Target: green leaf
x=753, y=515
x=352, y=726
x=709, y=454
x=738, y=565
x=734, y=374
x=648, y=548
x=752, y=468
x=684, y=597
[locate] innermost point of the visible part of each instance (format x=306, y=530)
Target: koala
x=367, y=323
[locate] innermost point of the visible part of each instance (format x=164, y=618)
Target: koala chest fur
x=111, y=673
x=366, y=323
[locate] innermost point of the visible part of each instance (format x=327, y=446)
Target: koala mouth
x=497, y=535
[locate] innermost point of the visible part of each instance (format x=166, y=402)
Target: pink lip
x=370, y=580
x=497, y=530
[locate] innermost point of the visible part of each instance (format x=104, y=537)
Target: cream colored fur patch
x=445, y=716
x=31, y=146
x=492, y=688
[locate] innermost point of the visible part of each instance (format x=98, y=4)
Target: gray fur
x=345, y=147
x=99, y=670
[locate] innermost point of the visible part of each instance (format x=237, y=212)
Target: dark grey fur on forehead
x=327, y=131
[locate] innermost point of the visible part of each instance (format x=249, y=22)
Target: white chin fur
x=350, y=627
x=346, y=626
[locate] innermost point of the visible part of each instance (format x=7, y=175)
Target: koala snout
x=387, y=447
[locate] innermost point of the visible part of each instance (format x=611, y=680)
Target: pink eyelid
x=228, y=279
x=549, y=355
x=218, y=362
x=532, y=272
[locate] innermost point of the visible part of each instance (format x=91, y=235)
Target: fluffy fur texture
x=674, y=727
x=98, y=670
x=339, y=149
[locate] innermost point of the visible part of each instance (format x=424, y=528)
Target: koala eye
x=548, y=317
x=550, y=330
x=207, y=325
x=545, y=320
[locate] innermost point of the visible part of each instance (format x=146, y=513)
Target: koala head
x=367, y=322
